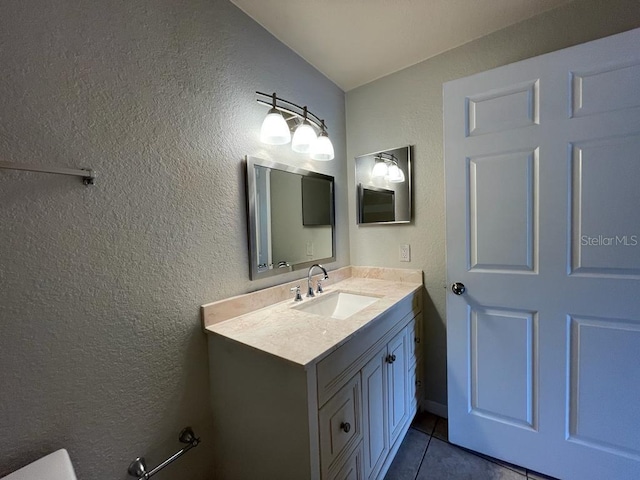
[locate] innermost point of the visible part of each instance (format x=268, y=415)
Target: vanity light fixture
x=275, y=130
x=387, y=167
x=304, y=136
x=322, y=149
x=285, y=115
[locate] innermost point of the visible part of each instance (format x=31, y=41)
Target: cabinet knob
x=418, y=383
x=417, y=340
x=391, y=358
x=345, y=427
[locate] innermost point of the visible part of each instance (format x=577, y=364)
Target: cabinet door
x=397, y=379
x=374, y=410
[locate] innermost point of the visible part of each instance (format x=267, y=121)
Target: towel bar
x=138, y=468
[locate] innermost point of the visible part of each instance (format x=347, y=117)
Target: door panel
x=605, y=172
x=502, y=192
x=604, y=89
x=503, y=340
x=600, y=349
x=502, y=109
x=543, y=227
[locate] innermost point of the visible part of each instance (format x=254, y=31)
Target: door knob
x=458, y=288
x=345, y=427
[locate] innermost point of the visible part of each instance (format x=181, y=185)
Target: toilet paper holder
x=138, y=468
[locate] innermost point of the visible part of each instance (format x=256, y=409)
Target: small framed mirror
x=383, y=183
x=291, y=217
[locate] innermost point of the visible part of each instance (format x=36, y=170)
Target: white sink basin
x=338, y=305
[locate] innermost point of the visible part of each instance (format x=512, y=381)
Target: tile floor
x=426, y=454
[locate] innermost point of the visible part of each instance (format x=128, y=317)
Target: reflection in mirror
x=377, y=204
x=383, y=181
x=291, y=217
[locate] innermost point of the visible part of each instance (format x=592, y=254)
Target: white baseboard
x=435, y=408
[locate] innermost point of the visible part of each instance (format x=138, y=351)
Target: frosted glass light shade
x=303, y=138
x=396, y=175
x=275, y=130
x=322, y=148
x=380, y=170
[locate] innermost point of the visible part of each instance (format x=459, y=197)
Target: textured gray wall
x=406, y=108
x=101, y=349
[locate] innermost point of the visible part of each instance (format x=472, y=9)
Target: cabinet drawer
x=415, y=386
x=351, y=469
x=415, y=338
x=340, y=422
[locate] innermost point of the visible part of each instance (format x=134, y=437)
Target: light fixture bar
x=387, y=157
x=88, y=177
x=317, y=121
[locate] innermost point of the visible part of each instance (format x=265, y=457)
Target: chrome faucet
x=309, y=287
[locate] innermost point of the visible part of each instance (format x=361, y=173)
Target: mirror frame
x=409, y=179
x=250, y=171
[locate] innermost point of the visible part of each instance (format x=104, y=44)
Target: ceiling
x=354, y=42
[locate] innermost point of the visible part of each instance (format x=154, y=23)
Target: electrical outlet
x=405, y=253
x=310, y=249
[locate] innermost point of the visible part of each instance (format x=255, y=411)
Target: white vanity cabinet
x=340, y=417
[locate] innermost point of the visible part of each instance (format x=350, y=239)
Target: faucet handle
x=319, y=286
x=296, y=289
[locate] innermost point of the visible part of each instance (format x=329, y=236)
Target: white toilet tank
x=55, y=466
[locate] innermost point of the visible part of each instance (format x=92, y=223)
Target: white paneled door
x=542, y=162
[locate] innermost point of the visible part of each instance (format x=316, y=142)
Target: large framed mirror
x=291, y=217
x=383, y=183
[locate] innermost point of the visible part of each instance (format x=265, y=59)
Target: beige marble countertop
x=304, y=338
